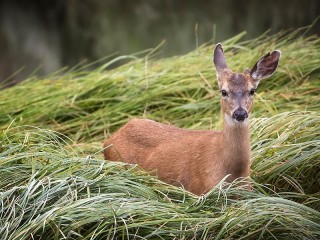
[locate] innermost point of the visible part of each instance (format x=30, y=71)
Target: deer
x=198, y=160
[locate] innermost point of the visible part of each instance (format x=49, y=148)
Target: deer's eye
x=252, y=91
x=224, y=93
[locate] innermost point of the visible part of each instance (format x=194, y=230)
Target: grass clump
x=48, y=192
x=54, y=183
x=180, y=90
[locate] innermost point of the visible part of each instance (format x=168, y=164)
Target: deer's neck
x=237, y=153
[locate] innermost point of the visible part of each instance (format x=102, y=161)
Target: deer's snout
x=240, y=114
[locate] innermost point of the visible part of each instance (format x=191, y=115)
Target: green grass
x=54, y=183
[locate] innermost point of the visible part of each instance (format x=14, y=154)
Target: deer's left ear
x=265, y=66
x=218, y=58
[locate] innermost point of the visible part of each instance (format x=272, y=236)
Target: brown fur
x=197, y=160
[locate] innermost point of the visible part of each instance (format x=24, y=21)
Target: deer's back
x=176, y=155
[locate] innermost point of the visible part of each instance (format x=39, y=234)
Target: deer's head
x=237, y=89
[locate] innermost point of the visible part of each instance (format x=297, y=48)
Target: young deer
x=198, y=160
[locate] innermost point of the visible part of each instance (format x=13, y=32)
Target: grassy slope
x=51, y=190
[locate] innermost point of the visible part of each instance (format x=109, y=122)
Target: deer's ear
x=218, y=58
x=265, y=66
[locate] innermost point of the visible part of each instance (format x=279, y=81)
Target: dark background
x=40, y=37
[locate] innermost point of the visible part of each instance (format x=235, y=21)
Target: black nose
x=240, y=114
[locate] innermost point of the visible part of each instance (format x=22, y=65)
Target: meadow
x=55, y=184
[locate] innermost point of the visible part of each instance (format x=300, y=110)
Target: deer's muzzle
x=240, y=114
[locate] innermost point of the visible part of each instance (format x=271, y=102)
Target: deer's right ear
x=265, y=66
x=218, y=58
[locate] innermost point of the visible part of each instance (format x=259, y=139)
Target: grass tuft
x=54, y=183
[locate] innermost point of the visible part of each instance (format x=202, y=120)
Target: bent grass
x=53, y=185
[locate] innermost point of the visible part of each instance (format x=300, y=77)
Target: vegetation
x=54, y=183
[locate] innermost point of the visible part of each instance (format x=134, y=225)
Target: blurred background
x=39, y=37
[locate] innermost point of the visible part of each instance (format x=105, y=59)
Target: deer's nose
x=240, y=114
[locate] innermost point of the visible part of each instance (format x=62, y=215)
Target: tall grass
x=53, y=186
x=180, y=90
x=49, y=192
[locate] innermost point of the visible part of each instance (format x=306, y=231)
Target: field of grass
x=54, y=183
